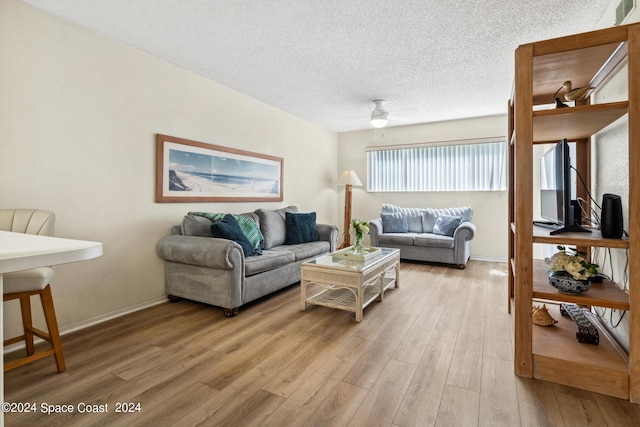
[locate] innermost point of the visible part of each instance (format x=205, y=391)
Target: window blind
x=458, y=167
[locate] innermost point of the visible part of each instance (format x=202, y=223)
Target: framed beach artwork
x=192, y=171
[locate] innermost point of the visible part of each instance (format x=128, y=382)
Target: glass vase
x=358, y=244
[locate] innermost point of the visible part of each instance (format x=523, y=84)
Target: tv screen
x=555, y=190
x=552, y=184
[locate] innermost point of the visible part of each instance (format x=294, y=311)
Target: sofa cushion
x=396, y=238
x=301, y=228
x=446, y=225
x=228, y=228
x=465, y=212
x=269, y=260
x=433, y=240
x=417, y=218
x=414, y=223
x=306, y=250
x=195, y=225
x=428, y=217
x=387, y=208
x=273, y=225
x=394, y=223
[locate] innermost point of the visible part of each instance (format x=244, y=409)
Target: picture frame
x=193, y=171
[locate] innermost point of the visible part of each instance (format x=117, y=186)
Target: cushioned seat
x=304, y=251
x=434, y=240
x=22, y=285
x=440, y=235
x=27, y=280
x=269, y=260
x=397, y=238
x=218, y=271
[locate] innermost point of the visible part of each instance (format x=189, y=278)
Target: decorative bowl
x=565, y=283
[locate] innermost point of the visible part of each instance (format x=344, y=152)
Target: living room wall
x=489, y=207
x=79, y=113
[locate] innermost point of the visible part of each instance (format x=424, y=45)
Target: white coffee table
x=347, y=284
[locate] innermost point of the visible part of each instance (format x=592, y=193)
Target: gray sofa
x=425, y=234
x=217, y=272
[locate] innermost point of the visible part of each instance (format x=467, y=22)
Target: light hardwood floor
x=436, y=352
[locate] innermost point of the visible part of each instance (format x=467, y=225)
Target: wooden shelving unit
x=553, y=353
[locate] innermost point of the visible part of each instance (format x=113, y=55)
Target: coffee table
x=349, y=284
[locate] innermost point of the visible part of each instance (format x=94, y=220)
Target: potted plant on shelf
x=569, y=271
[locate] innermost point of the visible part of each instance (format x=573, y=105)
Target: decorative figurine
x=577, y=93
x=540, y=316
x=560, y=104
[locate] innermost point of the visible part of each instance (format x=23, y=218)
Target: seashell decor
x=540, y=316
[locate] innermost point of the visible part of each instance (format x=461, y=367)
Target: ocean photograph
x=222, y=176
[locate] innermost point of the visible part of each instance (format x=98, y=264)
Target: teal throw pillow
x=301, y=228
x=228, y=228
x=248, y=226
x=394, y=223
x=446, y=225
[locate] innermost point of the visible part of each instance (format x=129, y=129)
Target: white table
x=349, y=285
x=20, y=251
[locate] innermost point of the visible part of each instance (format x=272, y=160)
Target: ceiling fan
x=379, y=116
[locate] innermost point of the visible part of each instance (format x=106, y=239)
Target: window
x=479, y=166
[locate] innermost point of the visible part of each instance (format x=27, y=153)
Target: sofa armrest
x=328, y=233
x=201, y=251
x=375, y=230
x=465, y=231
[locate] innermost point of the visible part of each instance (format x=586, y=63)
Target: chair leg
x=27, y=325
x=52, y=326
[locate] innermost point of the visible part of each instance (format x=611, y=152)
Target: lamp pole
x=346, y=237
x=348, y=179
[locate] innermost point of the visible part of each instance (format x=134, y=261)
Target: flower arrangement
x=360, y=228
x=572, y=262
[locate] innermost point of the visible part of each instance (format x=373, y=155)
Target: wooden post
x=346, y=237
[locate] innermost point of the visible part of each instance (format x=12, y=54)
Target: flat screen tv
x=555, y=190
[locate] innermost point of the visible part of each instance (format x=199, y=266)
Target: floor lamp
x=348, y=179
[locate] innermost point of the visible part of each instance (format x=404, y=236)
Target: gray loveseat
x=425, y=234
x=217, y=272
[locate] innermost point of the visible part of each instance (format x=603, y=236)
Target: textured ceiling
x=326, y=60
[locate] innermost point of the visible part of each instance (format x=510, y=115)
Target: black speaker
x=611, y=216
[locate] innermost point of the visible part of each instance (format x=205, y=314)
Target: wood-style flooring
x=436, y=352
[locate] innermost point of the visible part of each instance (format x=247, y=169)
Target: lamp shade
x=349, y=177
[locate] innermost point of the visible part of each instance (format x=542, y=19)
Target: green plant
x=573, y=262
x=360, y=227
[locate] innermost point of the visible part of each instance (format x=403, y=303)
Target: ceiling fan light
x=379, y=119
x=378, y=123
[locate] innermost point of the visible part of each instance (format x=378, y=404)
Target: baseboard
x=93, y=321
x=488, y=259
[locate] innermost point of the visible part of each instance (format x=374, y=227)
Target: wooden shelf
x=579, y=65
x=560, y=358
x=594, y=239
x=553, y=353
x=577, y=122
x=605, y=294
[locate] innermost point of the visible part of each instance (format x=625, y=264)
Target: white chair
x=23, y=284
